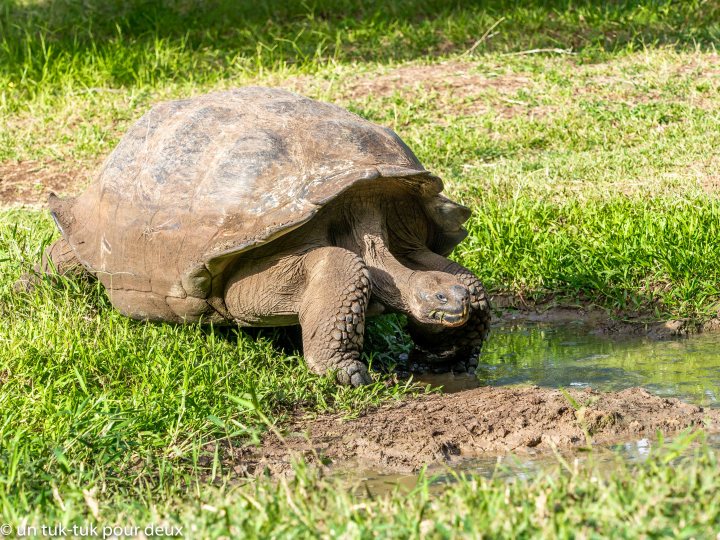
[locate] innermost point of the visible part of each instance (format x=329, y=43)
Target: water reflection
x=573, y=356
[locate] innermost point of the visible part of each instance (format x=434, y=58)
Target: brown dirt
x=707, y=173
x=510, y=309
x=406, y=435
x=453, y=87
x=443, y=77
x=30, y=182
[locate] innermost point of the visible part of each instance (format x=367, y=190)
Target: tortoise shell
x=197, y=182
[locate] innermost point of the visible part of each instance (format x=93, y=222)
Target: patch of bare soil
x=454, y=87
x=409, y=434
x=707, y=173
x=30, y=182
x=447, y=77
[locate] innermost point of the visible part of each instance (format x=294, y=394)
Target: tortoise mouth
x=450, y=318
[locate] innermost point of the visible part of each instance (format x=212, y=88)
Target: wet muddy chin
x=404, y=436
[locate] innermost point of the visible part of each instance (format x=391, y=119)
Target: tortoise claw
x=355, y=374
x=360, y=378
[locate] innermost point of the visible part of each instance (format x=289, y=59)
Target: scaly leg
x=326, y=290
x=332, y=313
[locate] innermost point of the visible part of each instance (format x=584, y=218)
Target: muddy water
x=572, y=356
x=511, y=467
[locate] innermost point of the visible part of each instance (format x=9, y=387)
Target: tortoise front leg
x=459, y=345
x=332, y=313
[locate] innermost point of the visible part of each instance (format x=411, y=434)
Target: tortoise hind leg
x=332, y=313
x=458, y=347
x=58, y=259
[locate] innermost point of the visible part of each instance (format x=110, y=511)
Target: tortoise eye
x=441, y=297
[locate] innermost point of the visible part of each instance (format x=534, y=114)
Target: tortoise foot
x=353, y=373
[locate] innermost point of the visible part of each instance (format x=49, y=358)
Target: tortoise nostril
x=441, y=297
x=461, y=293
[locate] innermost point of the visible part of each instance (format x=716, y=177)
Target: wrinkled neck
x=390, y=278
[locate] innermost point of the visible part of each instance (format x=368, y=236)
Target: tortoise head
x=438, y=298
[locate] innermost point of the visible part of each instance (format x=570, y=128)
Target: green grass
x=591, y=170
x=139, y=43
x=674, y=493
x=648, y=258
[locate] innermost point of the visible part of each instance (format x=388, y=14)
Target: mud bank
x=509, y=309
x=437, y=428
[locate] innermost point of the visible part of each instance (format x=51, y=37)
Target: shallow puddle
x=572, y=356
x=512, y=467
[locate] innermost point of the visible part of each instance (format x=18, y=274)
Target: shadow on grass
x=181, y=38
x=385, y=340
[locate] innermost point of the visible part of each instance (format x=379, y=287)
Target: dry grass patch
x=453, y=87
x=707, y=173
x=30, y=182
x=450, y=75
x=543, y=122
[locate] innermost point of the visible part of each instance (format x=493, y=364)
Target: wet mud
x=444, y=428
x=510, y=309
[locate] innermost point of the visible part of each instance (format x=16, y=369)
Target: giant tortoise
x=260, y=207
